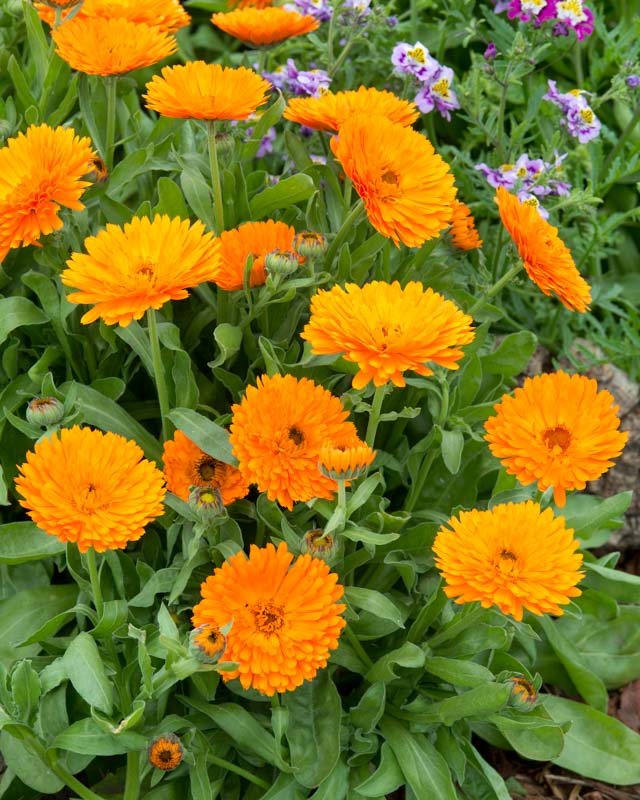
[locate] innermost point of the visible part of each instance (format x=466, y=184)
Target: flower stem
x=501, y=110
x=218, y=205
x=158, y=370
x=346, y=227
x=504, y=280
x=132, y=781
x=342, y=497
x=374, y=414
x=417, y=487
x=222, y=762
x=621, y=141
x=92, y=569
x=111, y=86
x=355, y=643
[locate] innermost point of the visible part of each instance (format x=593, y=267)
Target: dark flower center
x=557, y=437
x=207, y=469
x=269, y=618
x=296, y=435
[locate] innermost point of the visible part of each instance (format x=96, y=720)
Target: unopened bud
x=207, y=501
x=165, y=752
x=319, y=544
x=310, y=244
x=44, y=411
x=207, y=643
x=523, y=693
x=281, y=262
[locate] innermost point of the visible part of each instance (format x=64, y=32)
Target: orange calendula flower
x=249, y=4
x=186, y=465
x=143, y=265
x=514, y=556
x=345, y=458
x=255, y=239
x=545, y=256
x=92, y=488
x=99, y=46
x=286, y=617
x=386, y=329
x=167, y=15
x=463, y=229
x=165, y=752
x=330, y=110
x=407, y=189
x=262, y=26
x=277, y=432
x=40, y=171
x=557, y=430
x=206, y=91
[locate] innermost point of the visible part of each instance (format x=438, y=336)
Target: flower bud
x=310, y=244
x=44, y=411
x=97, y=170
x=207, y=500
x=523, y=693
x=318, y=544
x=281, y=262
x=165, y=752
x=207, y=643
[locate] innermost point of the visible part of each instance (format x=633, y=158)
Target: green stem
x=218, y=205
x=501, y=110
x=496, y=253
x=158, y=371
x=626, y=133
x=111, y=86
x=355, y=643
x=417, y=487
x=374, y=414
x=352, y=218
x=66, y=777
x=222, y=762
x=132, y=781
x=504, y=280
x=92, y=569
x=577, y=62
x=341, y=58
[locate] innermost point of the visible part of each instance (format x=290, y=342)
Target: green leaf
x=161, y=582
x=458, y=672
x=314, y=729
x=386, y=779
x=16, y=312
x=21, y=759
x=589, y=516
x=170, y=200
x=424, y=769
x=24, y=541
x=452, y=447
x=266, y=119
x=596, y=745
x=209, y=437
x=125, y=172
x=285, y=193
x=87, y=674
x=511, y=356
x=25, y=687
x=370, y=708
x=229, y=340
x=85, y=736
x=478, y=702
x=24, y=613
x=198, y=195
x=336, y=785
x=617, y=584
x=409, y=656
x=531, y=735
x=376, y=603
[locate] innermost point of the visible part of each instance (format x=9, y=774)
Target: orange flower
x=167, y=15
x=186, y=465
x=329, y=111
x=256, y=239
x=345, y=458
x=165, y=752
x=277, y=432
x=40, y=171
x=514, y=556
x=463, y=230
x=207, y=643
x=558, y=430
x=99, y=46
x=545, y=256
x=406, y=187
x=206, y=91
x=262, y=26
x=143, y=265
x=387, y=330
x=92, y=488
x=286, y=618
x=249, y=4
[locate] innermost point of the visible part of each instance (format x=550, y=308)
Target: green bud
x=44, y=411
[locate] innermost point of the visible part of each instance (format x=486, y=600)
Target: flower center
x=268, y=617
x=417, y=54
x=535, y=6
x=587, y=115
x=557, y=439
x=506, y=168
x=390, y=177
x=531, y=201
x=571, y=10
x=506, y=563
x=441, y=87
x=296, y=435
x=207, y=469
x=146, y=270
x=165, y=756
x=88, y=500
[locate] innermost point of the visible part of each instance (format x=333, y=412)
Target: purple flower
x=633, y=81
x=359, y=8
x=580, y=119
x=576, y=15
x=266, y=143
x=320, y=9
x=302, y=83
x=531, y=200
x=392, y=21
x=568, y=15
x=530, y=177
x=491, y=52
x=438, y=93
x=414, y=60
x=502, y=176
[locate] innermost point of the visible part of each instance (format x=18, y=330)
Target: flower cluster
x=529, y=178
x=301, y=83
x=567, y=15
x=320, y=9
x=436, y=79
x=580, y=120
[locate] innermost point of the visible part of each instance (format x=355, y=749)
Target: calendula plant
x=282, y=517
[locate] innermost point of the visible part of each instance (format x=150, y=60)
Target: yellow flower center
x=522, y=172
x=207, y=469
x=571, y=9
x=418, y=55
x=441, y=87
x=506, y=167
x=575, y=92
x=531, y=201
x=390, y=177
x=268, y=617
x=557, y=439
x=88, y=500
x=506, y=562
x=587, y=115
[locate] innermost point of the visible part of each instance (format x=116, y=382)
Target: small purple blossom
x=633, y=81
x=437, y=93
x=491, y=52
x=392, y=21
x=530, y=178
x=580, y=119
x=414, y=60
x=302, y=83
x=319, y=9
x=568, y=15
x=531, y=200
x=359, y=8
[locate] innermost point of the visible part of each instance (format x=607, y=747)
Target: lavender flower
x=319, y=9
x=580, y=119
x=438, y=93
x=302, y=83
x=633, y=81
x=574, y=14
x=491, y=52
x=414, y=60
x=568, y=15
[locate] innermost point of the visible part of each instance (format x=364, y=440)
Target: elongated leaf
x=209, y=437
x=86, y=672
x=28, y=766
x=458, y=672
x=24, y=541
x=409, y=655
x=424, y=769
x=313, y=732
x=336, y=785
x=531, y=735
x=16, y=312
x=596, y=745
x=85, y=736
x=284, y=194
x=376, y=603
x=386, y=779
